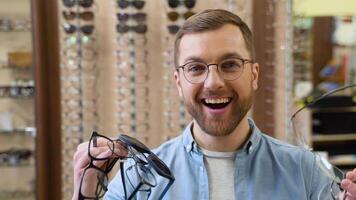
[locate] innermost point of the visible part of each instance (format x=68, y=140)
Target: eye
x=195, y=68
x=231, y=65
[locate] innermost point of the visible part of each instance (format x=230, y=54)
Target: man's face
x=217, y=105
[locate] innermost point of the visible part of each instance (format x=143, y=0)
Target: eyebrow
x=224, y=56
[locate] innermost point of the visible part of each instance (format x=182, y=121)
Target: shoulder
x=169, y=149
x=289, y=154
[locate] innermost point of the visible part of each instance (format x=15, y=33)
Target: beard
x=221, y=126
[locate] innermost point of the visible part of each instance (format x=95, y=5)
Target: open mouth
x=218, y=103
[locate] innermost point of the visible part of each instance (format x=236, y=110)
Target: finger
x=349, y=186
x=351, y=175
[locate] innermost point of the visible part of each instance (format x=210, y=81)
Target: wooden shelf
x=333, y=137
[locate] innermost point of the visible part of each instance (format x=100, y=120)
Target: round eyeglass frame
x=244, y=61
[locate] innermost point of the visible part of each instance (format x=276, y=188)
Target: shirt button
x=250, y=149
x=201, y=168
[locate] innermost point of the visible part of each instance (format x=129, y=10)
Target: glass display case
x=17, y=106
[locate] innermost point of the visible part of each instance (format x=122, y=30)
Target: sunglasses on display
x=83, y=3
x=86, y=29
x=123, y=28
x=138, y=4
x=174, y=16
x=173, y=29
x=175, y=3
x=70, y=15
x=124, y=17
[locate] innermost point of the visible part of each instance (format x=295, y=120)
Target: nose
x=213, y=80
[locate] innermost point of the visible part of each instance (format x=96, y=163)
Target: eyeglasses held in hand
x=229, y=69
x=335, y=174
x=147, y=156
x=142, y=156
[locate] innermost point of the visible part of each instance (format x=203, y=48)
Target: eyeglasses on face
x=229, y=69
x=83, y=3
x=175, y=3
x=138, y=4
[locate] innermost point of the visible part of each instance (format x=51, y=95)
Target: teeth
x=217, y=101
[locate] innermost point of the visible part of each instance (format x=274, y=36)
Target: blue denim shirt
x=265, y=168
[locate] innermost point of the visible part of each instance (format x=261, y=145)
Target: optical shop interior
x=75, y=70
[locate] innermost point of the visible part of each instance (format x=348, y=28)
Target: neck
x=228, y=143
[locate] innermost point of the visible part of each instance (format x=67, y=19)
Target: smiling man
x=221, y=154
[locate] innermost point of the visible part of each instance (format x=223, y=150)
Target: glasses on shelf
x=334, y=174
x=86, y=29
x=70, y=15
x=173, y=29
x=83, y=3
x=187, y=3
x=127, y=41
x=174, y=15
x=138, y=4
x=124, y=28
x=138, y=17
x=229, y=69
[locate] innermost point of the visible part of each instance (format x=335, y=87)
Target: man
x=221, y=154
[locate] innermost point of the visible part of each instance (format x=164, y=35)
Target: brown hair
x=213, y=19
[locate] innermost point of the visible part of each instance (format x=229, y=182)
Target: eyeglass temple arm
x=135, y=191
x=123, y=178
x=166, y=189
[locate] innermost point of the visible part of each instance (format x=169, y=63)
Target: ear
x=178, y=83
x=255, y=71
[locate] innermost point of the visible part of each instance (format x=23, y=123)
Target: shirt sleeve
x=320, y=183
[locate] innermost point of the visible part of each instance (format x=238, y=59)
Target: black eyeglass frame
x=244, y=61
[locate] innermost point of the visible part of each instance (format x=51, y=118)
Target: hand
x=349, y=184
x=81, y=160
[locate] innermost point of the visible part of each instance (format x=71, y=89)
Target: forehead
x=212, y=45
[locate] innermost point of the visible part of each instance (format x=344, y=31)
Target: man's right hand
x=81, y=160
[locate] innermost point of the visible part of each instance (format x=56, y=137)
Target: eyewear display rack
x=17, y=103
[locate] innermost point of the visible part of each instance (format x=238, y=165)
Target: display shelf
x=28, y=131
x=334, y=137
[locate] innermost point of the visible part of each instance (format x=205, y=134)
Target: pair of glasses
x=127, y=41
x=138, y=17
x=174, y=16
x=86, y=29
x=138, y=80
x=138, y=56
x=332, y=172
x=86, y=15
x=138, y=4
x=136, y=92
x=84, y=41
x=83, y=3
x=173, y=29
x=124, y=105
x=124, y=69
x=124, y=28
x=187, y=3
x=123, y=117
x=133, y=127
x=229, y=69
x=146, y=158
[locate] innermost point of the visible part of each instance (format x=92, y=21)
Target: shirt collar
x=249, y=146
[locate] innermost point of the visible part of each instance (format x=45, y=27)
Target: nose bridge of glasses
x=212, y=74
